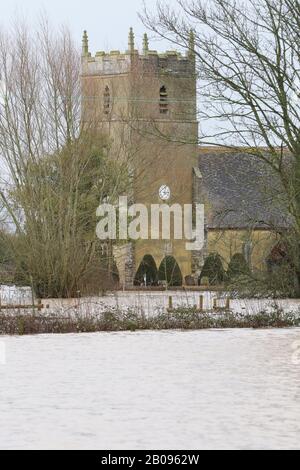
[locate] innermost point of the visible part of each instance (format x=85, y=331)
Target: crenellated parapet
x=116, y=62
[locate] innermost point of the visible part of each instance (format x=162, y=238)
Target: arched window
x=163, y=101
x=106, y=101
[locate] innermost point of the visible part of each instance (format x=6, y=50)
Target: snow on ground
x=149, y=303
x=154, y=302
x=15, y=295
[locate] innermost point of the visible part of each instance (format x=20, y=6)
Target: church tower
x=146, y=103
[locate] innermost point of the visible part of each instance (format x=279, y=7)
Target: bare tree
x=54, y=170
x=248, y=64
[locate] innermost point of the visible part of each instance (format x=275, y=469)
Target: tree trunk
x=297, y=284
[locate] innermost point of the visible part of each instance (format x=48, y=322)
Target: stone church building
x=146, y=103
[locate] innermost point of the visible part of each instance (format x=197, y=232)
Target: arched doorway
x=147, y=274
x=169, y=272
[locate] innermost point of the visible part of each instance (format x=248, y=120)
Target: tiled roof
x=240, y=191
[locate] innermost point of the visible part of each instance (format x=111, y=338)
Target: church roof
x=240, y=191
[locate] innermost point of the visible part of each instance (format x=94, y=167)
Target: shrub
x=238, y=266
x=169, y=271
x=148, y=270
x=213, y=270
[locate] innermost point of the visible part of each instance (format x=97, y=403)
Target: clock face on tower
x=164, y=193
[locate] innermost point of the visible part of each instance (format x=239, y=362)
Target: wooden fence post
x=201, y=303
x=32, y=294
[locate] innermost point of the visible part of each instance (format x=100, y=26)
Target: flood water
x=231, y=389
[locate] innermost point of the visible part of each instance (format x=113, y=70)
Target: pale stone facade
x=147, y=105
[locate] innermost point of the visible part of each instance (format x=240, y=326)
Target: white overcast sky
x=107, y=21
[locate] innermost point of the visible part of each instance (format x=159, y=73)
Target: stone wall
x=125, y=262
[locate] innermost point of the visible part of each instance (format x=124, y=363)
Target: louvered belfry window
x=163, y=101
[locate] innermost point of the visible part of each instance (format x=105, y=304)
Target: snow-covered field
x=225, y=389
